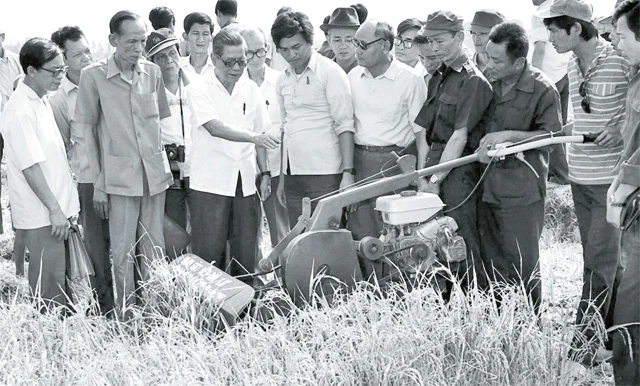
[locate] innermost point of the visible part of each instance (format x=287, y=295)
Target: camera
x=175, y=153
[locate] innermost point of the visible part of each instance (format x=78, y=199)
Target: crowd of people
x=213, y=128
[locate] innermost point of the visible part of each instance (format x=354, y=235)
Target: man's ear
x=185, y=36
x=577, y=28
x=31, y=71
x=520, y=63
x=113, y=38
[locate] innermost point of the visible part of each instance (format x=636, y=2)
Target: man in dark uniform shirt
x=511, y=213
x=458, y=96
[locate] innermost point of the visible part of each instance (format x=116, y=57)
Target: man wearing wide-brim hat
x=340, y=30
x=458, y=96
x=481, y=26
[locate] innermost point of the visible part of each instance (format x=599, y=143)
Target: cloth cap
x=442, y=21
x=158, y=40
x=577, y=9
x=342, y=17
x=487, y=19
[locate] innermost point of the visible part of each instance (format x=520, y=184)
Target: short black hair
x=162, y=17
x=589, y=30
x=408, y=24
x=514, y=37
x=630, y=9
x=227, y=7
x=36, y=52
x=362, y=12
x=226, y=37
x=197, y=18
x=73, y=33
x=288, y=24
x=120, y=17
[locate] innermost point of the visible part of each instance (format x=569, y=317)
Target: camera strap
x=184, y=142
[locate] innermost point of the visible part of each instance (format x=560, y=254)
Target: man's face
x=447, y=46
x=404, y=54
x=77, y=55
x=44, y=79
x=375, y=52
x=480, y=36
x=230, y=66
x=257, y=46
x=199, y=38
x=429, y=59
x=295, y=50
x=341, y=42
x=167, y=60
x=561, y=40
x=500, y=65
x=627, y=43
x=129, y=43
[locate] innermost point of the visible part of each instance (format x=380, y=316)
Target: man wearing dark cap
x=129, y=167
x=458, y=95
x=340, y=30
x=481, y=26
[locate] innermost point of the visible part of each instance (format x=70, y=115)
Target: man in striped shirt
x=598, y=80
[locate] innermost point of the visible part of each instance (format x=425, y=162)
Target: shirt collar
x=602, y=50
x=212, y=78
x=113, y=69
x=526, y=82
x=28, y=91
x=67, y=86
x=208, y=63
x=458, y=62
x=312, y=65
x=391, y=73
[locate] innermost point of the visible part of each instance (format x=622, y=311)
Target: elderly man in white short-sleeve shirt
x=231, y=115
x=42, y=194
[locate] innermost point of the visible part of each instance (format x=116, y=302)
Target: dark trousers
x=216, y=219
x=626, y=343
x=176, y=203
x=558, y=168
x=297, y=187
x=510, y=245
x=601, y=250
x=277, y=215
x=95, y=233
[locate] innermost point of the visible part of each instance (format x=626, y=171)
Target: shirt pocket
x=149, y=106
x=604, y=89
x=447, y=109
x=310, y=95
x=517, y=118
x=119, y=171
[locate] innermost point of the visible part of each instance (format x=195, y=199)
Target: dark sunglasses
x=230, y=63
x=362, y=45
x=585, y=104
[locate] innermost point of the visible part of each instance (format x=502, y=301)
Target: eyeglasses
x=230, y=63
x=398, y=41
x=585, y=104
x=261, y=53
x=56, y=72
x=362, y=45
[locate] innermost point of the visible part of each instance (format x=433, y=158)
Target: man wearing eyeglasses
x=382, y=127
x=231, y=118
x=42, y=193
x=459, y=95
x=406, y=49
x=77, y=55
x=598, y=81
x=317, y=113
x=340, y=30
x=120, y=102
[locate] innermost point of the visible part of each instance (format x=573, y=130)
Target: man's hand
x=433, y=188
x=265, y=187
x=610, y=137
x=423, y=185
x=617, y=193
x=101, y=203
x=266, y=140
x=59, y=225
x=348, y=180
x=282, y=198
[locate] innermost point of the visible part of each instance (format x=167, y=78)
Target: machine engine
x=417, y=234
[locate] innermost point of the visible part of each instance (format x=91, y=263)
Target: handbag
x=80, y=265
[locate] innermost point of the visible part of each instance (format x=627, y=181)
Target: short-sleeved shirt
x=31, y=137
x=125, y=115
x=532, y=104
x=316, y=108
x=63, y=103
x=176, y=129
x=630, y=160
x=185, y=64
x=459, y=94
x=606, y=83
x=385, y=107
x=10, y=69
x=216, y=162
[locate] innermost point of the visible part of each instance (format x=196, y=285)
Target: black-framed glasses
x=261, y=53
x=362, y=45
x=229, y=63
x=398, y=41
x=56, y=72
x=585, y=104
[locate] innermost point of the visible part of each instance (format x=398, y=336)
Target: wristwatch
x=265, y=173
x=351, y=171
x=434, y=179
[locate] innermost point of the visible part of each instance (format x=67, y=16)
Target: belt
x=379, y=149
